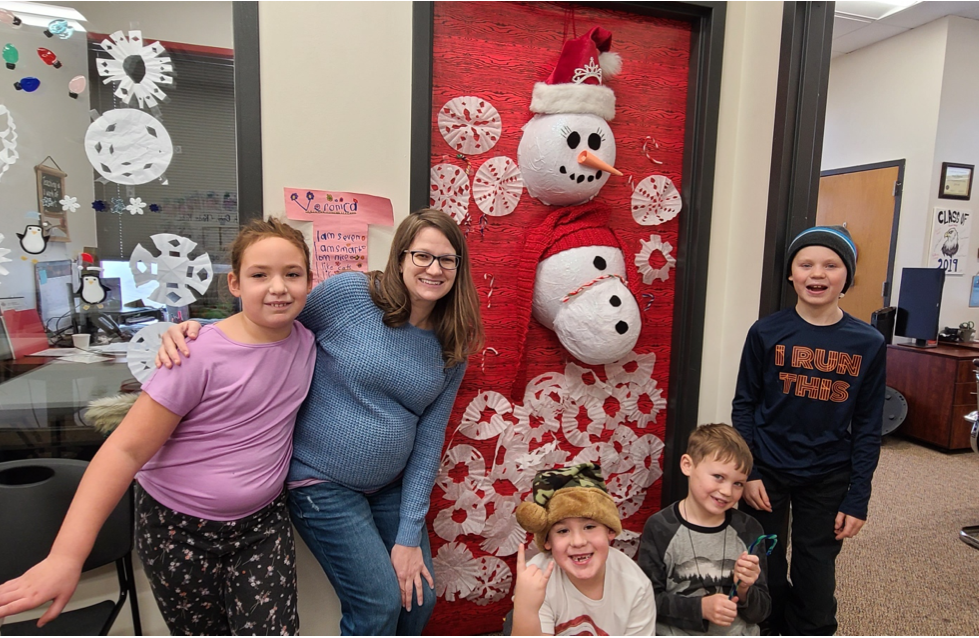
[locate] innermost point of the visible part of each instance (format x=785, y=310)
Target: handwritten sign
x=50, y=192
x=340, y=222
x=950, y=240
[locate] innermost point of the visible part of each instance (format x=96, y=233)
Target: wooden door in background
x=864, y=202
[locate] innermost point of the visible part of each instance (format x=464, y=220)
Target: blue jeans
x=351, y=534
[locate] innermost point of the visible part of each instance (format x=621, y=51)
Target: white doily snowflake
x=475, y=477
x=627, y=542
x=501, y=533
x=493, y=582
x=456, y=573
x=139, y=68
x=450, y=191
x=474, y=426
x=655, y=200
x=469, y=508
x=173, y=269
x=497, y=186
x=470, y=124
x=649, y=274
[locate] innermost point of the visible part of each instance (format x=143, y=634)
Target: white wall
x=744, y=154
x=911, y=97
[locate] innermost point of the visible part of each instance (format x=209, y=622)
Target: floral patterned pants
x=220, y=577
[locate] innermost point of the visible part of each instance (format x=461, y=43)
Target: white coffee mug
x=80, y=341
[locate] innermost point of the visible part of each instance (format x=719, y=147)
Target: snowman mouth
x=580, y=289
x=580, y=178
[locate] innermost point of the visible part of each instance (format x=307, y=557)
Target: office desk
x=40, y=409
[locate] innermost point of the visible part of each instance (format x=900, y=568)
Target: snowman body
x=580, y=294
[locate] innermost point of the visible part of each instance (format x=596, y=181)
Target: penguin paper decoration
x=91, y=290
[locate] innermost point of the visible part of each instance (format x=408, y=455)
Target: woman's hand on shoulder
x=175, y=343
x=54, y=578
x=410, y=568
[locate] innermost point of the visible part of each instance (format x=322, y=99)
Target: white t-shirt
x=628, y=607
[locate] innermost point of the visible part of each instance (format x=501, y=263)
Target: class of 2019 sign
x=950, y=240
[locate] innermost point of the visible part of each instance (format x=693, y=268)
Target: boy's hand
x=719, y=610
x=847, y=526
x=173, y=343
x=754, y=495
x=53, y=578
x=746, y=572
x=531, y=583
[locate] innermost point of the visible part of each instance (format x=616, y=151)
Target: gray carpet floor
x=907, y=572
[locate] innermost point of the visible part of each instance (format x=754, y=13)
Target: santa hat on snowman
x=572, y=272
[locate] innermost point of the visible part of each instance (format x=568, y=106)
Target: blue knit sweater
x=379, y=401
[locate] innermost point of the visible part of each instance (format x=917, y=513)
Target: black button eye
x=622, y=327
x=615, y=301
x=594, y=141
x=599, y=263
x=574, y=140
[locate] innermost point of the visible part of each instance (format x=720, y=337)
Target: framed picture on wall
x=50, y=192
x=956, y=181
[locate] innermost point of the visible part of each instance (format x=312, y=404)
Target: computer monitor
x=130, y=292
x=920, y=304
x=54, y=282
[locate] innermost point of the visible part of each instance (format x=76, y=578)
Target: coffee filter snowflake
x=633, y=368
x=128, y=146
x=446, y=525
x=138, y=68
x=456, y=572
x=8, y=140
x=141, y=350
x=497, y=186
x=654, y=243
x=470, y=125
x=475, y=477
x=643, y=403
x=450, y=191
x=173, y=269
x=536, y=420
x=494, y=581
x=655, y=200
x=627, y=542
x=577, y=431
x=501, y=533
x=473, y=425
x=646, y=452
x=3, y=257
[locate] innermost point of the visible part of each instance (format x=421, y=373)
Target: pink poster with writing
x=340, y=223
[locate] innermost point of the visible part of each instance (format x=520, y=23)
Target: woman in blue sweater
x=392, y=350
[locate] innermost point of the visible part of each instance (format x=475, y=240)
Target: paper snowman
x=566, y=155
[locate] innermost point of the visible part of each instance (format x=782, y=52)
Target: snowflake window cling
x=470, y=124
x=649, y=274
x=8, y=140
x=3, y=257
x=173, y=269
x=456, y=573
x=450, y=191
x=655, y=200
x=497, y=186
x=139, y=69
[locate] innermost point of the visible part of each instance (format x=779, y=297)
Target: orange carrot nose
x=587, y=158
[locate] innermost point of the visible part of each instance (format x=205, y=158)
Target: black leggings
x=220, y=578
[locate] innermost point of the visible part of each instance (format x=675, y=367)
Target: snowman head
x=549, y=154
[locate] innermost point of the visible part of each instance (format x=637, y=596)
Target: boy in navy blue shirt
x=809, y=403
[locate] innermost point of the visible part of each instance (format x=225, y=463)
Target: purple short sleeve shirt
x=229, y=455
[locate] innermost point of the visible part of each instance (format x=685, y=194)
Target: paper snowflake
x=450, y=191
x=455, y=480
x=128, y=146
x=69, y=204
x=173, y=269
x=138, y=68
x=469, y=508
x=136, y=206
x=655, y=200
x=475, y=423
x=627, y=542
x=502, y=534
x=8, y=140
x=456, y=572
x=493, y=582
x=141, y=351
x=649, y=274
x=497, y=186
x=470, y=124
x=3, y=258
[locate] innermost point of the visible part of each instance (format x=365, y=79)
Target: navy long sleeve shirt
x=810, y=399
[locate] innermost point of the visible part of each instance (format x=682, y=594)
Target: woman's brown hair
x=257, y=230
x=456, y=318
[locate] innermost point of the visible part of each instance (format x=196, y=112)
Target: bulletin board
x=496, y=52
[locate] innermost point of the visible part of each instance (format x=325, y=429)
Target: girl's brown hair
x=257, y=230
x=458, y=325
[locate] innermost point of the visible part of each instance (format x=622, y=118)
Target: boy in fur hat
x=578, y=585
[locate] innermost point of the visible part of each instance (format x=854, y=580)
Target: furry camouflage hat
x=567, y=492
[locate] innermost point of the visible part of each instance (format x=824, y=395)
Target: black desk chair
x=34, y=498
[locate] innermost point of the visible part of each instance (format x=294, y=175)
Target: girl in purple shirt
x=209, y=444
